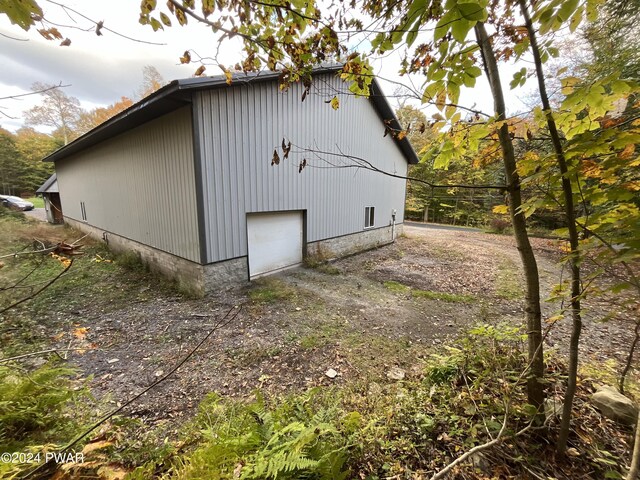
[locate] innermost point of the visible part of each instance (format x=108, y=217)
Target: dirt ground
x=360, y=316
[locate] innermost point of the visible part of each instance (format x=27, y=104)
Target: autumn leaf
x=50, y=33
x=335, y=103
x=186, y=57
x=276, y=158
x=93, y=446
x=65, y=43
x=500, y=209
x=628, y=152
x=200, y=71
x=80, y=333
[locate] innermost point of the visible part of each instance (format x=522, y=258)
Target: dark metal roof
x=45, y=186
x=178, y=93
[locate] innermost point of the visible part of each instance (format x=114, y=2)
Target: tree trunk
x=535, y=391
x=425, y=218
x=574, y=255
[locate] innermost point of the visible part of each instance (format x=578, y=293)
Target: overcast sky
x=101, y=69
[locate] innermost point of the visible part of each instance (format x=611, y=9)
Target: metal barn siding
x=241, y=125
x=139, y=185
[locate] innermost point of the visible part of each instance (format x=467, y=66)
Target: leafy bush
x=498, y=225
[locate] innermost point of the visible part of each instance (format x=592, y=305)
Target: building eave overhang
x=178, y=93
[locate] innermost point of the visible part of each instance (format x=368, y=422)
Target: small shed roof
x=178, y=93
x=50, y=185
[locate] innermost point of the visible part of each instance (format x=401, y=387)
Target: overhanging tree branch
x=360, y=162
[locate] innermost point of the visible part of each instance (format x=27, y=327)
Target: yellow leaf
x=112, y=472
x=335, y=103
x=500, y=209
x=186, y=58
x=80, y=332
x=90, y=447
x=628, y=151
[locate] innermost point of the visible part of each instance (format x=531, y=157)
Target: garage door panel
x=274, y=241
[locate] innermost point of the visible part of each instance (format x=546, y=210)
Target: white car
x=15, y=203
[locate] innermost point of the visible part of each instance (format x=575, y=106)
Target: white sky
x=101, y=69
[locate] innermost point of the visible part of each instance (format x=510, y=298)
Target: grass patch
x=95, y=282
x=396, y=286
x=322, y=334
x=271, y=290
x=429, y=294
x=443, y=296
x=38, y=202
x=508, y=281
x=328, y=269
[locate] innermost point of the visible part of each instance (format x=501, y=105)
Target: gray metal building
x=185, y=177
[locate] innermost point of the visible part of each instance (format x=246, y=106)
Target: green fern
x=294, y=440
x=33, y=404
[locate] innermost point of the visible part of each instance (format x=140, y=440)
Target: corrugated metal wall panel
x=240, y=128
x=140, y=185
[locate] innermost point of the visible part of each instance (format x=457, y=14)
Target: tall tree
x=91, y=119
x=33, y=146
x=152, y=80
x=12, y=166
x=58, y=110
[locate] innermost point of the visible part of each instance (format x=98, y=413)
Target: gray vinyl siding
x=140, y=185
x=239, y=127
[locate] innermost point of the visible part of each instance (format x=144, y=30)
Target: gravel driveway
x=361, y=316
x=38, y=214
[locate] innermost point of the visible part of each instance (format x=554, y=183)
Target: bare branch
x=68, y=9
x=37, y=92
x=47, y=285
x=13, y=38
x=360, y=162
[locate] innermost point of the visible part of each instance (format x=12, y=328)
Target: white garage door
x=274, y=240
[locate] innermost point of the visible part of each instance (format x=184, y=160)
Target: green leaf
x=472, y=11
x=165, y=19
x=155, y=24
x=460, y=29
x=20, y=12
x=443, y=25
x=567, y=9
x=576, y=19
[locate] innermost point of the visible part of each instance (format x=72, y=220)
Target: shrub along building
x=189, y=177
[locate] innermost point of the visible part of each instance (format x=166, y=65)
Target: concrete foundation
x=199, y=279
x=188, y=274
x=357, y=242
x=221, y=275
